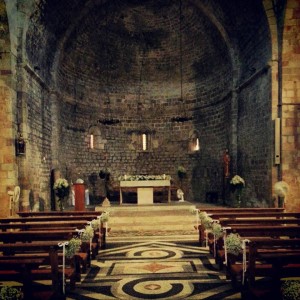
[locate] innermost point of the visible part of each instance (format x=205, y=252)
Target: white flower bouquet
x=181, y=171
x=104, y=217
x=95, y=224
x=281, y=189
x=217, y=230
x=144, y=177
x=61, y=188
x=234, y=244
x=193, y=210
x=203, y=215
x=73, y=247
x=237, y=182
x=87, y=234
x=207, y=222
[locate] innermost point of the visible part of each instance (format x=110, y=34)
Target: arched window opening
x=94, y=139
x=144, y=142
x=91, y=141
x=194, y=144
x=197, y=145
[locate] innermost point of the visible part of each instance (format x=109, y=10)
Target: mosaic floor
x=154, y=269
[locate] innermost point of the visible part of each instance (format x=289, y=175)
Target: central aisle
x=154, y=269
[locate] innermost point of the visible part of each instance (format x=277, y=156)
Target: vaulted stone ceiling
x=132, y=47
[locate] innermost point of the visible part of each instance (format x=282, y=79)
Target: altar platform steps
x=175, y=218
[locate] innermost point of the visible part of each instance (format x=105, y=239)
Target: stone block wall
x=291, y=105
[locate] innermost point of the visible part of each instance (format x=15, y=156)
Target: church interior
x=134, y=107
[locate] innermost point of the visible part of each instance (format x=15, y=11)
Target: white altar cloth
x=145, y=189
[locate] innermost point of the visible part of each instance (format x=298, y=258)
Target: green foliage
x=290, y=289
x=234, y=244
x=87, y=234
x=181, y=171
x=95, y=224
x=217, y=230
x=104, y=217
x=73, y=247
x=10, y=293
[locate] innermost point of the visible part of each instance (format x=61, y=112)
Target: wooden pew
x=268, y=230
x=253, y=232
x=272, y=258
x=266, y=221
x=25, y=268
x=248, y=231
x=37, y=235
x=25, y=214
x=48, y=218
x=55, y=222
x=238, y=215
x=234, y=215
x=214, y=210
x=44, y=225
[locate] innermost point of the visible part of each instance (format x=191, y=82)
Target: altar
x=145, y=189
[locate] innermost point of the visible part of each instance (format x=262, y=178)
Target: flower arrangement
x=144, y=177
x=87, y=234
x=193, y=210
x=9, y=292
x=217, y=230
x=203, y=215
x=281, y=189
x=205, y=220
x=72, y=247
x=290, y=289
x=237, y=182
x=234, y=244
x=207, y=223
x=104, y=217
x=95, y=224
x=61, y=188
x=181, y=171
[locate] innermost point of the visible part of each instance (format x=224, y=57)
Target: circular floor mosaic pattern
x=150, y=288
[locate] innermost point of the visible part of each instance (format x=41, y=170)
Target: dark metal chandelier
x=183, y=117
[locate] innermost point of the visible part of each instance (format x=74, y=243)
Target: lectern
x=79, y=190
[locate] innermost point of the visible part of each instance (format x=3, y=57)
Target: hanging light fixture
x=182, y=117
x=108, y=119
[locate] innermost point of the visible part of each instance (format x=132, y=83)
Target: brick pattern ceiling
x=94, y=46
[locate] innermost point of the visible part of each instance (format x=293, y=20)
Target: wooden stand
x=79, y=190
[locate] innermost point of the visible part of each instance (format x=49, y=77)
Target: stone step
x=173, y=206
x=157, y=228
x=150, y=220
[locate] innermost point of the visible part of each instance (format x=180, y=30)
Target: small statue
x=180, y=195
